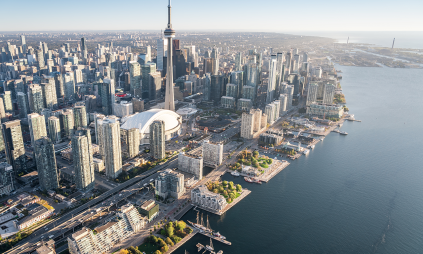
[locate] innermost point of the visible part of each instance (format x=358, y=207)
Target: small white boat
x=305, y=152
x=234, y=173
x=343, y=133
x=312, y=146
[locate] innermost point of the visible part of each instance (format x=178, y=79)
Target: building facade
x=170, y=184
x=191, y=164
x=208, y=200
x=157, y=139
x=212, y=153
x=46, y=164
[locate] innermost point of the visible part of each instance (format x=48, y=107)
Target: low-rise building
x=35, y=215
x=208, y=200
x=325, y=110
x=149, y=209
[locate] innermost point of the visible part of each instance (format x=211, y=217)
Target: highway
x=83, y=213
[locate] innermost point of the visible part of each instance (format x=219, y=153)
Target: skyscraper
x=14, y=146
x=237, y=78
x=40, y=58
x=157, y=139
x=107, y=90
x=312, y=93
x=68, y=122
x=80, y=117
x=84, y=49
x=54, y=129
x=112, y=146
x=169, y=34
x=46, y=164
x=130, y=142
x=135, y=78
x=22, y=104
x=37, y=127
x=216, y=88
x=83, y=159
x=238, y=62
x=2, y=111
x=147, y=69
x=49, y=95
x=215, y=56
x=35, y=98
x=7, y=100
x=23, y=41
x=161, y=52
x=271, y=86
x=68, y=81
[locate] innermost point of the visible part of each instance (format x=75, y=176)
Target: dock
x=266, y=178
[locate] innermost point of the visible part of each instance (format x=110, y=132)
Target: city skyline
x=349, y=17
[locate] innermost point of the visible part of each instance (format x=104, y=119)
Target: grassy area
x=148, y=248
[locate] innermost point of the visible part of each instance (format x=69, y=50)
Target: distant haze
x=219, y=15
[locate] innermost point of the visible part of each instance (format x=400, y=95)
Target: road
x=83, y=213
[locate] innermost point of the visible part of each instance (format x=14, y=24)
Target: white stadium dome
x=142, y=121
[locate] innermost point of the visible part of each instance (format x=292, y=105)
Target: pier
x=267, y=176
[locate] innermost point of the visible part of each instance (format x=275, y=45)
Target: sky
x=218, y=15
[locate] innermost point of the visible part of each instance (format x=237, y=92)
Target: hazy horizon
x=188, y=15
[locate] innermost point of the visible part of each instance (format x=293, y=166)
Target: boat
x=220, y=252
x=199, y=246
x=199, y=225
x=247, y=179
x=217, y=234
x=210, y=247
x=351, y=117
x=234, y=173
x=306, y=152
x=312, y=146
x=343, y=133
x=255, y=180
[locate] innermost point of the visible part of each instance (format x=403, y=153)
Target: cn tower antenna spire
x=169, y=34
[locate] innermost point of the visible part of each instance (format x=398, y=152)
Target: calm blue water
x=360, y=193
x=413, y=40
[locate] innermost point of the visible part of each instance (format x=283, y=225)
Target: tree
x=157, y=252
x=225, y=183
x=123, y=251
x=169, y=242
x=169, y=231
x=238, y=188
x=225, y=193
x=215, y=191
x=256, y=154
x=164, y=249
x=181, y=225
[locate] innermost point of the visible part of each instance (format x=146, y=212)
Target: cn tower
x=169, y=33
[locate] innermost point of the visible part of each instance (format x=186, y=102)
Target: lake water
x=360, y=193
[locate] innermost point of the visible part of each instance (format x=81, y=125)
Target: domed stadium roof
x=143, y=120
